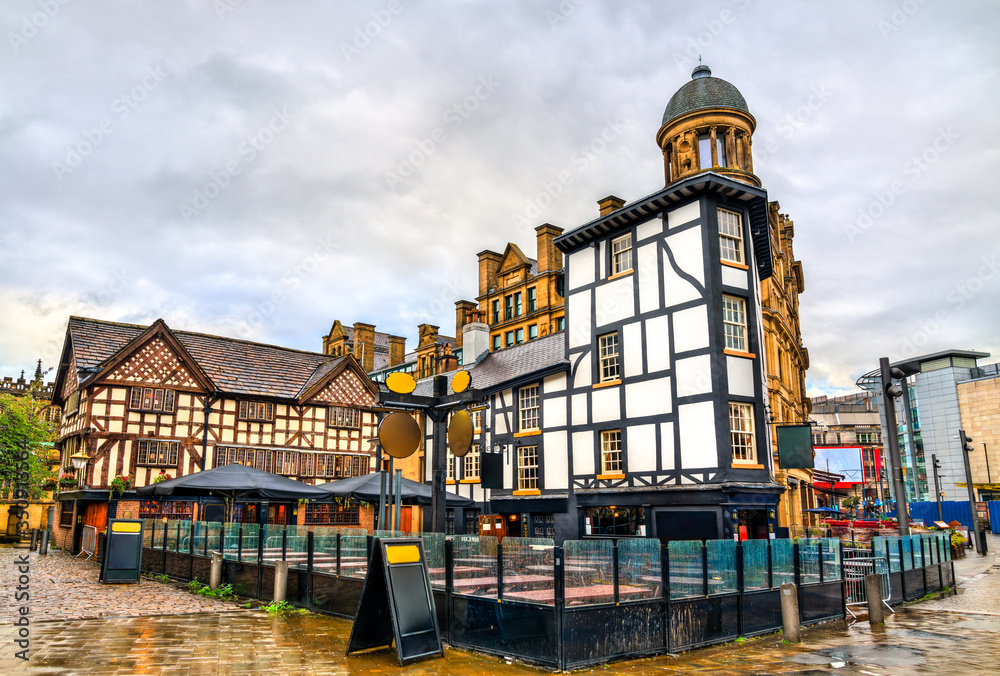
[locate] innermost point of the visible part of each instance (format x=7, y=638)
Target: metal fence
x=563, y=607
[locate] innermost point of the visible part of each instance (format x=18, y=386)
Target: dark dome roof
x=703, y=91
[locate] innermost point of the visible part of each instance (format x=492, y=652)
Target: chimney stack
x=489, y=264
x=397, y=350
x=609, y=204
x=549, y=257
x=462, y=310
x=475, y=341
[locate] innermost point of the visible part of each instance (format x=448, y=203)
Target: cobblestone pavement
x=978, y=582
x=65, y=588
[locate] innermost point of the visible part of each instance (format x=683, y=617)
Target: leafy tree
x=23, y=430
x=851, y=502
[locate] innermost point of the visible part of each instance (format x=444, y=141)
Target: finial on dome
x=701, y=70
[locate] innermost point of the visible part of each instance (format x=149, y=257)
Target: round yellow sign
x=399, y=434
x=400, y=382
x=460, y=381
x=460, y=433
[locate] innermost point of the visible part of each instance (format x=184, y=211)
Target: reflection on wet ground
x=913, y=642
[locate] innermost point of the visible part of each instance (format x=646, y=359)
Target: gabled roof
x=232, y=366
x=513, y=258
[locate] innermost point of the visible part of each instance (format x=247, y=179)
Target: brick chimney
x=489, y=263
x=549, y=257
x=462, y=310
x=447, y=361
x=397, y=350
x=609, y=204
x=364, y=345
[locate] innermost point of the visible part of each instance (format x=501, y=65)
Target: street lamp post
x=892, y=391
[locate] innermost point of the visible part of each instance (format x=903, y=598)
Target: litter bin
x=982, y=542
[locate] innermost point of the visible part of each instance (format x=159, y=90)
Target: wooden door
x=96, y=514
x=406, y=519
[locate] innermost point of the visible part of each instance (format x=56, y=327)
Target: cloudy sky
x=258, y=169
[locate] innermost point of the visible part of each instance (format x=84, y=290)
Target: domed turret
x=707, y=126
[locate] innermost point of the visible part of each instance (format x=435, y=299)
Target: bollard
x=34, y=540
x=215, y=578
x=873, y=592
x=790, y=613
x=280, y=580
x=43, y=548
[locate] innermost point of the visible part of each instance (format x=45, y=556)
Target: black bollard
x=34, y=540
x=43, y=548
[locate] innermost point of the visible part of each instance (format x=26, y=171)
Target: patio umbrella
x=235, y=482
x=366, y=488
x=825, y=510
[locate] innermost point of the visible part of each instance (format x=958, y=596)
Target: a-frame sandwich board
x=397, y=603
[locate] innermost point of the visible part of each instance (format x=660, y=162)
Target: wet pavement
x=918, y=639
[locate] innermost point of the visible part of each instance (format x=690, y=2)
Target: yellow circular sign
x=460, y=381
x=400, y=382
x=460, y=433
x=399, y=434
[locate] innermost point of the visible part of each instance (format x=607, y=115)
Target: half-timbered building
x=141, y=400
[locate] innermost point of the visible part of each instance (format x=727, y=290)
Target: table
x=478, y=582
x=574, y=593
x=458, y=570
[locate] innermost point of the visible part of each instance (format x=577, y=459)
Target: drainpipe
x=207, y=410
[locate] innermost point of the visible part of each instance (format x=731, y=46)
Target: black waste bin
x=982, y=547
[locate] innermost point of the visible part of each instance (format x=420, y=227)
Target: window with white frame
x=343, y=416
x=741, y=429
x=151, y=399
x=528, y=408
x=734, y=316
x=477, y=421
x=157, y=453
x=730, y=236
x=611, y=452
x=608, y=354
x=621, y=254
x=450, y=460
x=527, y=468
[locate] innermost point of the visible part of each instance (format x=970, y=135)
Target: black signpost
x=397, y=603
x=122, y=559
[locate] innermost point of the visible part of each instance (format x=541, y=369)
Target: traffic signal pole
x=966, y=449
x=891, y=392
x=937, y=487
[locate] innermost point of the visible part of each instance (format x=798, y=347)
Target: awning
x=234, y=481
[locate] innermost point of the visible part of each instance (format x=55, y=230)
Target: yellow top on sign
x=125, y=527
x=460, y=381
x=402, y=554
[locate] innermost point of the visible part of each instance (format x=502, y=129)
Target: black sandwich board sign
x=397, y=603
x=122, y=551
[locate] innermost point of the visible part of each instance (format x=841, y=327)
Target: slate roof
x=511, y=364
x=703, y=92
x=234, y=366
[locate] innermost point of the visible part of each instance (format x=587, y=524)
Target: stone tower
x=707, y=127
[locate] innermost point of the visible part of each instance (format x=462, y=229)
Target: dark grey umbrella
x=366, y=488
x=237, y=482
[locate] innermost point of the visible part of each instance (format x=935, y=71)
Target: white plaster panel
x=658, y=344
x=615, y=301
x=607, y=404
x=697, y=427
x=650, y=228
x=555, y=456
x=641, y=451
x=649, y=277
x=689, y=252
x=583, y=453
x=581, y=268
x=554, y=412
x=684, y=214
x=694, y=375
x=650, y=397
x=556, y=383
x=691, y=329
x=667, y=445
x=602, y=257
x=631, y=353
x=578, y=407
x=676, y=289
x=499, y=424
x=583, y=377
x=578, y=307
x=740, y=376
x=734, y=277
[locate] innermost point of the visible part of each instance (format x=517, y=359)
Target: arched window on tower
x=720, y=143
x=704, y=150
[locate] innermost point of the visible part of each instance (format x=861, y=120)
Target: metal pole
x=937, y=490
x=972, y=491
x=379, y=519
x=910, y=442
x=440, y=449
x=989, y=479
x=399, y=499
x=899, y=488
x=390, y=492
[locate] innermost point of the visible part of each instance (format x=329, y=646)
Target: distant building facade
x=851, y=421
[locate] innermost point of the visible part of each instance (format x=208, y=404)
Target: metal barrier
x=89, y=544
x=856, y=569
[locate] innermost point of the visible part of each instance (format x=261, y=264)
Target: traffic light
x=966, y=441
x=937, y=463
